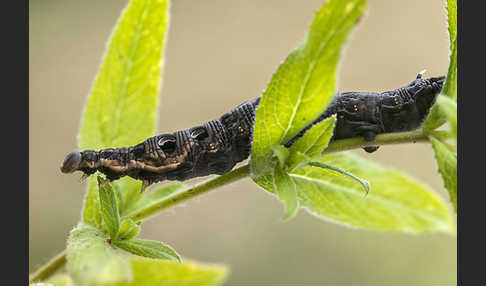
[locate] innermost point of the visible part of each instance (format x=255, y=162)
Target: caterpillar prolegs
x=216, y=146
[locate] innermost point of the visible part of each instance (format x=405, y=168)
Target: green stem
x=239, y=173
x=186, y=194
x=382, y=139
x=49, y=268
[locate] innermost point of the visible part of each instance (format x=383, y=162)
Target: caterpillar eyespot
x=193, y=152
x=167, y=144
x=199, y=133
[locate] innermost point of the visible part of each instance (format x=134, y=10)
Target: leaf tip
x=290, y=212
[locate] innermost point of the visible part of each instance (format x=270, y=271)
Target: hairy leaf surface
x=92, y=261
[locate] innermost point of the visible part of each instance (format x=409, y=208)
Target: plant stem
x=382, y=139
x=186, y=194
x=239, y=173
x=49, y=268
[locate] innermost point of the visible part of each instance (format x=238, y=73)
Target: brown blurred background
x=219, y=54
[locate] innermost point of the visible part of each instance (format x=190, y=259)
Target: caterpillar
x=216, y=146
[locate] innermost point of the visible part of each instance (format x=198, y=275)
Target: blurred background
x=219, y=54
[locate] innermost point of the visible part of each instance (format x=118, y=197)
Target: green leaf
x=131, y=192
x=149, y=248
x=447, y=161
x=311, y=144
x=397, y=202
x=153, y=197
x=446, y=110
x=304, y=84
x=281, y=153
x=91, y=206
x=323, y=165
x=128, y=229
x=285, y=188
x=150, y=272
x=109, y=208
x=445, y=154
x=440, y=134
x=452, y=20
x=119, y=197
x=121, y=108
x=62, y=279
x=449, y=107
x=437, y=117
x=450, y=85
x=92, y=260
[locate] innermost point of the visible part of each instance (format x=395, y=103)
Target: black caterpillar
x=216, y=146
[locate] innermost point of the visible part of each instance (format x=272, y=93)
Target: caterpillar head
x=406, y=108
x=424, y=92
x=71, y=162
